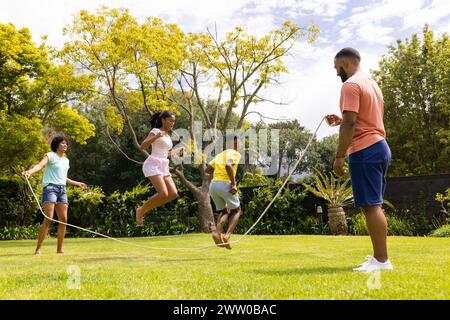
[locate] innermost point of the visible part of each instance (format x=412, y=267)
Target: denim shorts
x=54, y=193
x=368, y=171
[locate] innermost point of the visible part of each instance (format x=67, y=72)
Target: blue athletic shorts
x=368, y=172
x=54, y=193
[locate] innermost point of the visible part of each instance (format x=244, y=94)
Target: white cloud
x=386, y=9
x=295, y=9
x=374, y=23
x=445, y=27
x=312, y=84
x=312, y=87
x=376, y=33
x=49, y=17
x=345, y=34
x=431, y=14
x=260, y=26
x=322, y=8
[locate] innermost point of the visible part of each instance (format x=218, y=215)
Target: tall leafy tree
x=146, y=67
x=325, y=151
x=293, y=140
x=38, y=93
x=415, y=79
x=240, y=66
x=134, y=64
x=99, y=162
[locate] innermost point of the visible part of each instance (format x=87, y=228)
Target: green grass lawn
x=259, y=267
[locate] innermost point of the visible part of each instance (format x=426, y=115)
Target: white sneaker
x=363, y=266
x=377, y=265
x=372, y=264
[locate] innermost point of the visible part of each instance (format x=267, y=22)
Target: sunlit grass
x=259, y=267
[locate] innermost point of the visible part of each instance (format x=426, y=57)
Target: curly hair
x=56, y=141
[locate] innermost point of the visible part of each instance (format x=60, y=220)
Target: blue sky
x=311, y=87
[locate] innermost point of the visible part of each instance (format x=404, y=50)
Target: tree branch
x=121, y=151
x=195, y=190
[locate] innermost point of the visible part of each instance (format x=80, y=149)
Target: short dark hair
x=56, y=141
x=348, y=53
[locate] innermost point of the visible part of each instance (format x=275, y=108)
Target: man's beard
x=342, y=74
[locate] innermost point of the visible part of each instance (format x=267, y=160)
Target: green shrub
x=396, y=226
x=14, y=232
x=253, y=180
x=172, y=226
x=443, y=231
x=85, y=207
x=117, y=219
x=444, y=200
x=326, y=228
x=357, y=225
x=417, y=216
x=310, y=225
x=286, y=216
x=18, y=207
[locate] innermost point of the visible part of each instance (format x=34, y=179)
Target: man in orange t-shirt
x=362, y=135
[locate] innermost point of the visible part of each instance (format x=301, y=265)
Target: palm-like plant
x=338, y=193
x=333, y=189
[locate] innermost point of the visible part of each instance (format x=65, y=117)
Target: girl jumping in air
x=156, y=166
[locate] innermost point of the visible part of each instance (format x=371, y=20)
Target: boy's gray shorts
x=220, y=193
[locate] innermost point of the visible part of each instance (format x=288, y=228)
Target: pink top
x=362, y=95
x=161, y=146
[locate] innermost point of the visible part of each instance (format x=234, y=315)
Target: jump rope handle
x=331, y=124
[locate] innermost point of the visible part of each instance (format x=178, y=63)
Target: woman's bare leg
x=61, y=211
x=49, y=209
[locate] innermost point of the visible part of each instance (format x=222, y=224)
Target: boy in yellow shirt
x=223, y=190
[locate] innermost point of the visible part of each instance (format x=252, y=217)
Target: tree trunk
x=204, y=213
x=337, y=220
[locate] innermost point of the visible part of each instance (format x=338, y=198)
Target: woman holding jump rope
x=54, y=195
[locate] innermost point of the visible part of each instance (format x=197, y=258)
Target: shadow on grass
x=98, y=259
x=15, y=244
x=31, y=253
x=300, y=271
x=137, y=258
x=47, y=241
x=187, y=259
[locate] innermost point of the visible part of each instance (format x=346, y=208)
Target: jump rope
x=188, y=248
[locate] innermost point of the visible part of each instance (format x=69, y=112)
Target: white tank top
x=161, y=146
